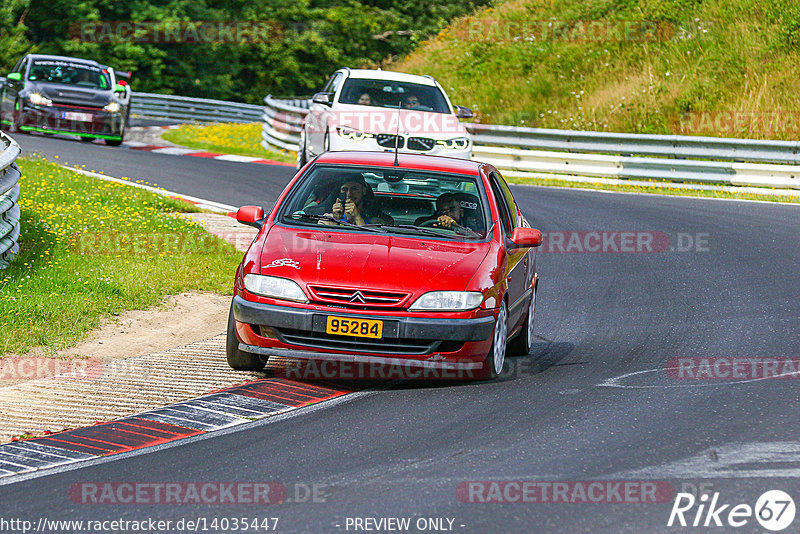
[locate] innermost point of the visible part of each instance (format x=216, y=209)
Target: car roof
x=67, y=58
x=406, y=161
x=390, y=75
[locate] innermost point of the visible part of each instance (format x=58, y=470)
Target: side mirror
x=464, y=113
x=323, y=98
x=526, y=237
x=118, y=88
x=16, y=76
x=251, y=216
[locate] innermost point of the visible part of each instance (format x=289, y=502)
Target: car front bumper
x=408, y=340
x=61, y=119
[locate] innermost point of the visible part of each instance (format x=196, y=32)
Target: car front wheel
x=239, y=359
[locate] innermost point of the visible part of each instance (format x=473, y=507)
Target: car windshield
x=401, y=201
x=392, y=94
x=69, y=73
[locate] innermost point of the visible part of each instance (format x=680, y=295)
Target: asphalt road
x=593, y=402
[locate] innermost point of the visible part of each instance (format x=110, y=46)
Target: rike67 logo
x=774, y=510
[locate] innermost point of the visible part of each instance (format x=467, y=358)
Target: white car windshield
x=393, y=94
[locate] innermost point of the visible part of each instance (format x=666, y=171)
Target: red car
x=417, y=262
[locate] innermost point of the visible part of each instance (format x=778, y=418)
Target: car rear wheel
x=239, y=359
x=493, y=365
x=522, y=343
x=87, y=139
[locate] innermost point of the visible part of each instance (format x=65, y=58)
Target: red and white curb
x=181, y=151
x=226, y=408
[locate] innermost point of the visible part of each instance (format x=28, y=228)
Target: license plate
x=345, y=326
x=73, y=116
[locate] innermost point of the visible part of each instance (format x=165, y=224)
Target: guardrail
x=537, y=151
x=182, y=108
x=9, y=194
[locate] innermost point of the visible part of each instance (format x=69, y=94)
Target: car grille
x=358, y=298
x=319, y=340
x=421, y=143
x=388, y=140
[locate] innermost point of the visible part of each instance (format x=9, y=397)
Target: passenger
x=365, y=100
x=360, y=205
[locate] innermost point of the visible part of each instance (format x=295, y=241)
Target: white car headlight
x=350, y=133
x=112, y=107
x=448, y=301
x=274, y=287
x=38, y=100
x=457, y=143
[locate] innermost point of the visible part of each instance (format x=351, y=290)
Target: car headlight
x=38, y=100
x=448, y=301
x=350, y=133
x=457, y=143
x=112, y=107
x=274, y=287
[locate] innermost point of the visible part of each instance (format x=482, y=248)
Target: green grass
x=92, y=249
x=713, y=67
x=232, y=138
x=674, y=191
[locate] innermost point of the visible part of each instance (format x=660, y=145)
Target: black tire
x=493, y=364
x=238, y=359
x=523, y=341
x=16, y=118
x=116, y=142
x=87, y=139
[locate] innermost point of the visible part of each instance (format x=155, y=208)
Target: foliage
x=309, y=40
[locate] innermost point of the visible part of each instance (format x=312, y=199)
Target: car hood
x=370, y=260
x=68, y=94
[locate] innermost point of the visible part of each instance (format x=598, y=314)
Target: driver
x=450, y=215
x=359, y=207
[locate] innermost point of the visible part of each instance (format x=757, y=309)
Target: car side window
x=512, y=204
x=327, y=87
x=502, y=204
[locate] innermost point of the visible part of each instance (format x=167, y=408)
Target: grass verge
x=92, y=249
x=230, y=138
x=726, y=68
x=672, y=191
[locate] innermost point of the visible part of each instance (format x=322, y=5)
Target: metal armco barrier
x=182, y=108
x=9, y=194
x=536, y=151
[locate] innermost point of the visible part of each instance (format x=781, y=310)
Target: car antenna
x=397, y=136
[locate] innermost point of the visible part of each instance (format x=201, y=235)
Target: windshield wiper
x=429, y=231
x=369, y=228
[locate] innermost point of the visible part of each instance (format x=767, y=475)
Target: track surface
x=402, y=451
